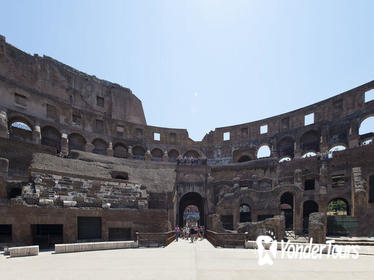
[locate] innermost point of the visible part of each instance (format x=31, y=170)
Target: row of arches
x=336, y=207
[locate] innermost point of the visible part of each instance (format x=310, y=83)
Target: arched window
x=138, y=152
x=20, y=130
x=263, y=151
x=173, y=155
x=245, y=213
x=284, y=159
x=309, y=154
x=366, y=126
x=51, y=137
x=77, y=142
x=338, y=207
x=310, y=141
x=157, y=154
x=244, y=158
x=286, y=147
x=191, y=153
x=100, y=146
x=336, y=149
x=120, y=150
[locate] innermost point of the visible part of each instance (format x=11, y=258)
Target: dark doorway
x=5, y=233
x=119, y=234
x=286, y=205
x=46, y=236
x=309, y=207
x=245, y=214
x=188, y=199
x=89, y=228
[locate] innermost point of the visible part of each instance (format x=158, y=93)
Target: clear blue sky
x=201, y=64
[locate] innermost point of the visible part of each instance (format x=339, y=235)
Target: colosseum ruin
x=79, y=162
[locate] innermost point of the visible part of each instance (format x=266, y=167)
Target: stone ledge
x=94, y=246
x=24, y=251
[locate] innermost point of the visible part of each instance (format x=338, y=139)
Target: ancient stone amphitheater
x=79, y=162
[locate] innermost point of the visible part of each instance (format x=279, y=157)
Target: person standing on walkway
x=177, y=231
x=192, y=234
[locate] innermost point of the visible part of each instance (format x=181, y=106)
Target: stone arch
x=287, y=206
x=77, y=142
x=286, y=147
x=20, y=129
x=366, y=129
x=138, y=152
x=336, y=148
x=309, y=206
x=120, y=150
x=244, y=158
x=193, y=153
x=263, y=151
x=51, y=137
x=173, y=155
x=245, y=213
x=338, y=207
x=310, y=141
x=100, y=146
x=191, y=198
x=157, y=154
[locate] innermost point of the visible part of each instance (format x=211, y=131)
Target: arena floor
x=180, y=260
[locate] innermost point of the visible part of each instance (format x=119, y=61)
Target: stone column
x=109, y=150
x=165, y=156
x=148, y=155
x=130, y=154
x=324, y=145
x=4, y=133
x=89, y=147
x=64, y=144
x=4, y=165
x=297, y=148
x=353, y=137
x=359, y=195
x=317, y=227
x=36, y=134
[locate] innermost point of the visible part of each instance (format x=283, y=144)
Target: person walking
x=192, y=234
x=177, y=231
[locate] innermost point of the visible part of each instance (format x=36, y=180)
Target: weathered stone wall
x=274, y=227
x=317, y=227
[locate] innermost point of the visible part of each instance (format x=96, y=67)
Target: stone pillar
x=298, y=180
x=130, y=154
x=297, y=148
x=324, y=145
x=36, y=134
x=109, y=150
x=359, y=197
x=353, y=137
x=4, y=166
x=165, y=156
x=4, y=133
x=89, y=147
x=148, y=155
x=317, y=227
x=64, y=144
x=298, y=213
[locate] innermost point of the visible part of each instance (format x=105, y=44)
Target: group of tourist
x=189, y=232
x=190, y=160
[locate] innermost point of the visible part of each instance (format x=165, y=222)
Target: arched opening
x=173, y=155
x=336, y=148
x=245, y=213
x=338, y=207
x=309, y=154
x=20, y=130
x=366, y=130
x=51, y=137
x=309, y=207
x=244, y=158
x=264, y=151
x=191, y=153
x=284, y=159
x=120, y=150
x=286, y=147
x=138, y=152
x=191, y=198
x=191, y=216
x=287, y=206
x=100, y=146
x=310, y=141
x=77, y=142
x=157, y=154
